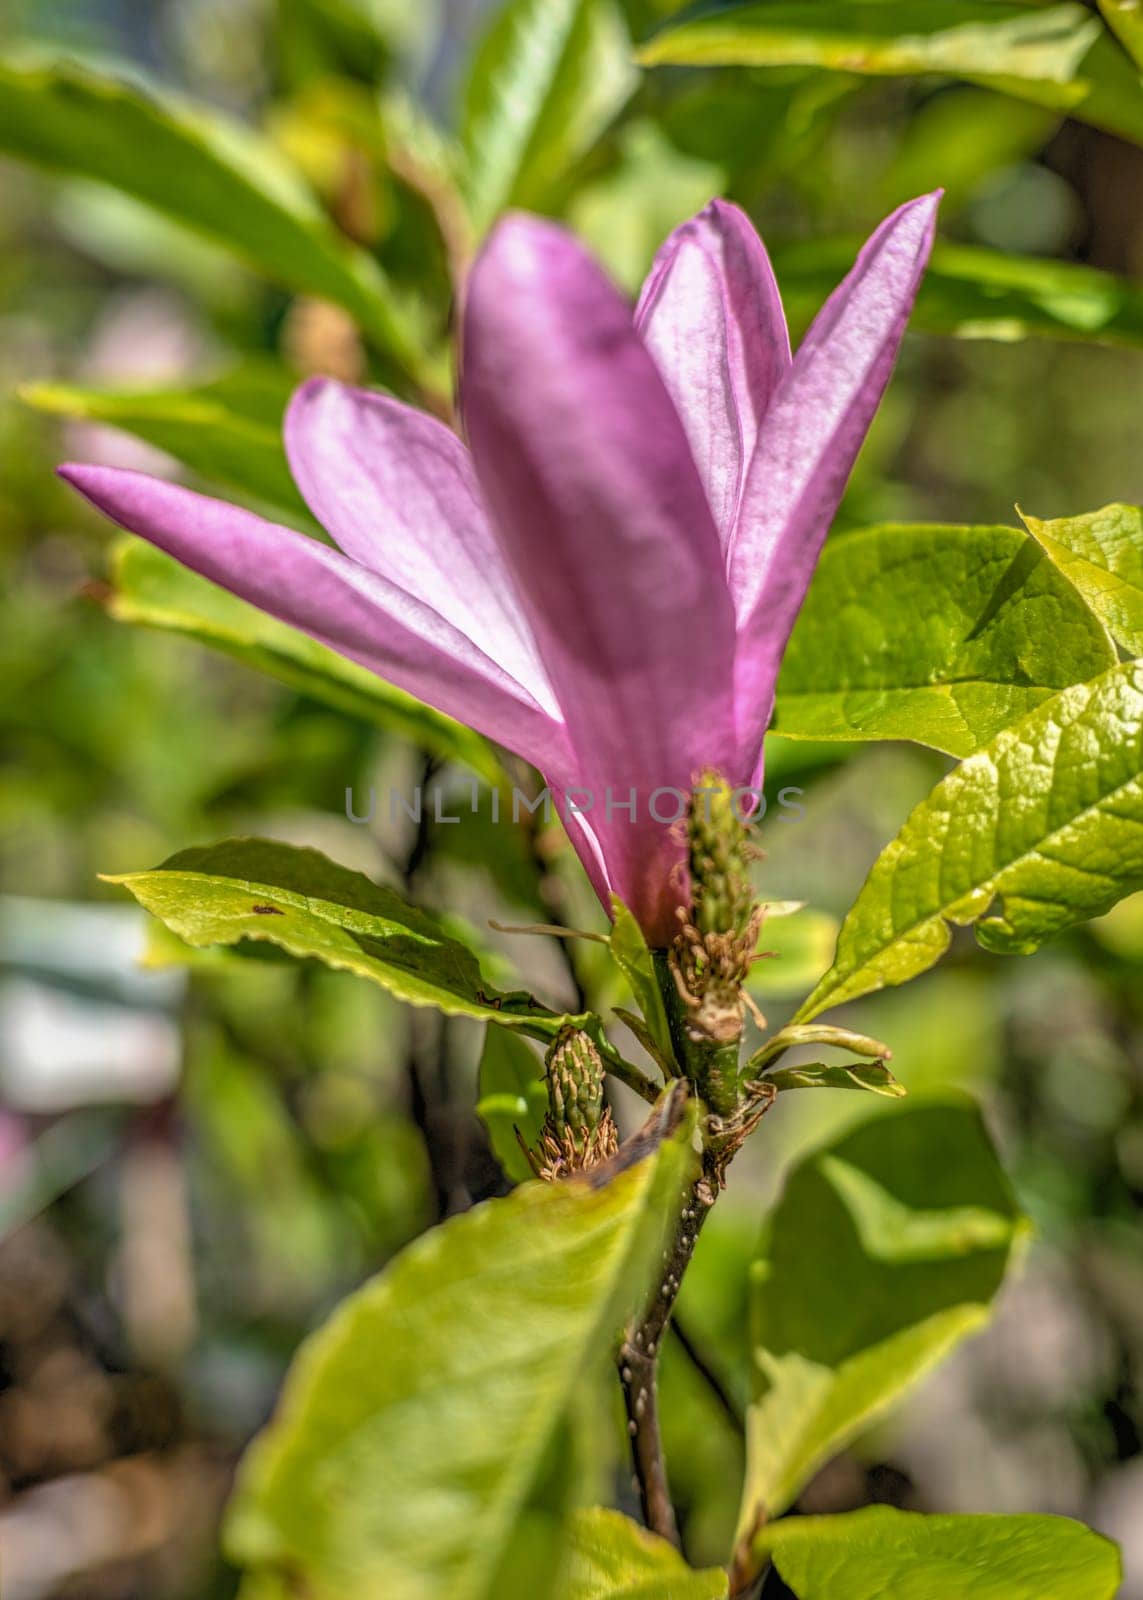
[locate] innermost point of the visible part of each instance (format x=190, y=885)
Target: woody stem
x=639, y=1358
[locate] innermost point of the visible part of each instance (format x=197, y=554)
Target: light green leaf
x=976, y=293
x=797, y=948
x=608, y=1557
x=1058, y=56
x=1125, y=20
x=1047, y=820
x=513, y=1094
x=1102, y=555
x=884, y=1252
x=634, y=958
x=880, y=1551
x=310, y=907
x=229, y=430
x=872, y=1076
x=152, y=588
x=381, y=1474
x=188, y=162
x=546, y=80
x=942, y=635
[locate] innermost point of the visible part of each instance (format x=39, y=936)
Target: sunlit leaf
x=942, y=635
x=975, y=293
x=1125, y=20
x=883, y=1253
x=547, y=79
x=609, y=1557
x=881, y=1551
x=229, y=430
x=380, y=1474
x=307, y=905
x=153, y=589
x=1102, y=554
x=794, y=951
x=190, y=163
x=872, y=1076
x=1058, y=56
x=1046, y=822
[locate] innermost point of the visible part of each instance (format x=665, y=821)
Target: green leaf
x=153, y=589
x=798, y=948
x=882, y=1255
x=1125, y=20
x=313, y=909
x=609, y=1557
x=873, y=1076
x=188, y=162
x=229, y=430
x=1102, y=555
x=634, y=958
x=513, y=1094
x=1047, y=820
x=880, y=1551
x=546, y=80
x=1058, y=56
x=976, y=293
x=415, y=1453
x=942, y=635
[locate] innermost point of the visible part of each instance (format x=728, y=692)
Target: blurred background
x=200, y=1154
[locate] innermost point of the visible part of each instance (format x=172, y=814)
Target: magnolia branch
x=639, y=1357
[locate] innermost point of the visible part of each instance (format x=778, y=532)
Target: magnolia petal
x=352, y=610
x=711, y=315
x=807, y=444
x=396, y=490
x=603, y=519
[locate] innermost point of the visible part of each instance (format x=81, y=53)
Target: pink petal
x=807, y=444
x=352, y=610
x=602, y=516
x=711, y=316
x=397, y=491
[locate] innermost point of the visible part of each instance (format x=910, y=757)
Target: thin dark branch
x=698, y=1360
x=639, y=1359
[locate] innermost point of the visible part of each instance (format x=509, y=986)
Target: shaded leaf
x=609, y=1557
x=880, y=1551
x=942, y=635
x=1047, y=820
x=230, y=184
x=305, y=904
x=1102, y=555
x=546, y=80
x=1059, y=56
x=883, y=1253
x=513, y=1094
x=152, y=588
x=380, y=1473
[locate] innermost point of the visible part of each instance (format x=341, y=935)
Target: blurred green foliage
x=319, y=1124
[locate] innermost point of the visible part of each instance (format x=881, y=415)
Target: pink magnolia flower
x=604, y=581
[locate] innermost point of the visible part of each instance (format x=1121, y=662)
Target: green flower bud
x=579, y=1130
